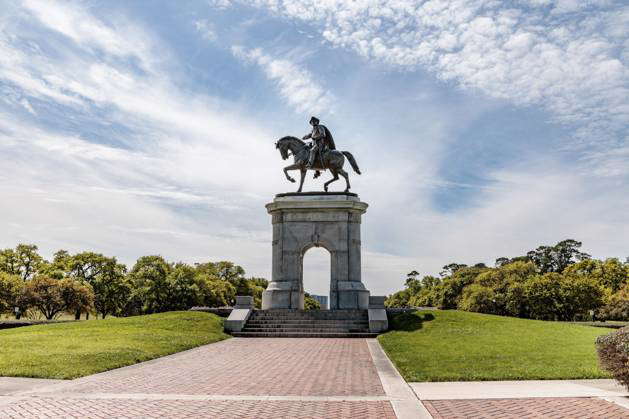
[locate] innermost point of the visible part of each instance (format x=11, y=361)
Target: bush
x=613, y=354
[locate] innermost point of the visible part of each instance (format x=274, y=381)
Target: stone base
x=352, y=299
x=288, y=299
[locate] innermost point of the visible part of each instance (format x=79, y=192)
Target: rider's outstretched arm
x=305, y=137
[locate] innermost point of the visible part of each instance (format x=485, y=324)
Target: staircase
x=307, y=324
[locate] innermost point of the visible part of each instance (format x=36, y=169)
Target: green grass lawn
x=71, y=350
x=460, y=346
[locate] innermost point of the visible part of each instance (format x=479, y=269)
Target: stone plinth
x=328, y=220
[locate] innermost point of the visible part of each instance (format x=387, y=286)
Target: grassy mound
x=461, y=346
x=71, y=350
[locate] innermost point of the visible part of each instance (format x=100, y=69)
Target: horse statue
x=330, y=159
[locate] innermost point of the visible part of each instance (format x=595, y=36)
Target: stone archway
x=329, y=220
x=316, y=271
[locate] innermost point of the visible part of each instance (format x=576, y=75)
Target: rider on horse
x=322, y=141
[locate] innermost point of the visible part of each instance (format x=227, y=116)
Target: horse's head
x=282, y=146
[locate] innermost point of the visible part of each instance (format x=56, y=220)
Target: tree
x=558, y=257
x=60, y=266
x=149, y=276
x=398, y=299
x=11, y=289
x=215, y=292
x=183, y=290
x=611, y=273
x=310, y=303
x=23, y=261
x=451, y=269
x=89, y=268
x=111, y=290
x=52, y=297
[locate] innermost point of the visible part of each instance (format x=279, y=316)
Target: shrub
x=613, y=354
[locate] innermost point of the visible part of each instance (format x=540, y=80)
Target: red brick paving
x=261, y=366
x=252, y=367
x=81, y=408
x=565, y=407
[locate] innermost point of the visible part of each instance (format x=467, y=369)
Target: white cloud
x=566, y=56
x=297, y=85
x=184, y=177
x=206, y=29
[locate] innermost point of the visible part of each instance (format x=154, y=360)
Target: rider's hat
x=314, y=120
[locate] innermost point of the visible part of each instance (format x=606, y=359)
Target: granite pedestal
x=328, y=220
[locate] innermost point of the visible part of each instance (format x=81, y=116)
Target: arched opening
x=316, y=272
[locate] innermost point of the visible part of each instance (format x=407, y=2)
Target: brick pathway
x=262, y=378
x=274, y=378
x=550, y=407
x=108, y=408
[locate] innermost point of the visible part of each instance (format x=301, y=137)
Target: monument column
x=304, y=220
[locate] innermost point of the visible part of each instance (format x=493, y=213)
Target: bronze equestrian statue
x=320, y=155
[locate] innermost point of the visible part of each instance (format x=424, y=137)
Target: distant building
x=322, y=300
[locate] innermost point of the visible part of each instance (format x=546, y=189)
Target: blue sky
x=482, y=128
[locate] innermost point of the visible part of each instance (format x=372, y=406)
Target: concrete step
x=306, y=322
x=303, y=335
x=312, y=330
x=308, y=326
x=311, y=314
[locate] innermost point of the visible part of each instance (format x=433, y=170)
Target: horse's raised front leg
x=346, y=176
x=301, y=181
x=291, y=167
x=336, y=177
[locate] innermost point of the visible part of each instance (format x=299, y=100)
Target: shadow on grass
x=409, y=322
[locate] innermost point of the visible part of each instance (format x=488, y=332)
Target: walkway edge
x=404, y=401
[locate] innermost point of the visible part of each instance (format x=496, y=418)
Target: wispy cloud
x=297, y=85
x=206, y=29
x=567, y=56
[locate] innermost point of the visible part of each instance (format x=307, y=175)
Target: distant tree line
x=91, y=282
x=557, y=282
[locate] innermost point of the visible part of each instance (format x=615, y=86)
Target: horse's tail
x=352, y=161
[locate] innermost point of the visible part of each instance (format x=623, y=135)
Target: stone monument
x=303, y=220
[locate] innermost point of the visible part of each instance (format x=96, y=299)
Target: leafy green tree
x=398, y=299
x=183, y=289
x=149, y=276
x=11, y=289
x=215, y=292
x=452, y=287
x=96, y=270
x=23, y=261
x=480, y=299
x=558, y=257
x=451, y=268
x=52, y=297
x=111, y=289
x=235, y=275
x=60, y=266
x=310, y=303
x=611, y=273
x=617, y=308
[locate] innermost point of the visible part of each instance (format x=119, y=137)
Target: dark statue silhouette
x=318, y=156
